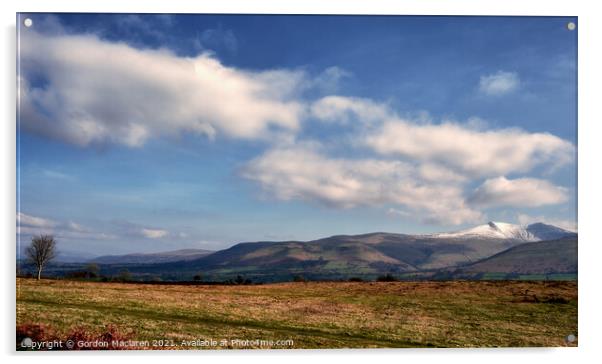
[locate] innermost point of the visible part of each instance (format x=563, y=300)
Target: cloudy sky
x=158, y=132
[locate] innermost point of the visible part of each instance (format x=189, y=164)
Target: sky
x=146, y=133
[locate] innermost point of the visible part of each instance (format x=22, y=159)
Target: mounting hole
x=28, y=22
x=571, y=26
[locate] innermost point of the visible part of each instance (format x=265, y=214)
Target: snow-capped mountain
x=502, y=230
x=548, y=232
x=546, y=249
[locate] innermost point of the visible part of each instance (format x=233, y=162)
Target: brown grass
x=334, y=314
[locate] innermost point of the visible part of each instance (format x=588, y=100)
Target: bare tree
x=41, y=251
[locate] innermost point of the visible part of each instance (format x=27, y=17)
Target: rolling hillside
x=152, y=258
x=542, y=257
x=344, y=256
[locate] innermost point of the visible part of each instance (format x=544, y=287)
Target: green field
x=301, y=315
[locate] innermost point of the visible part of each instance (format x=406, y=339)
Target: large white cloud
x=521, y=192
x=420, y=168
x=88, y=91
x=303, y=173
x=85, y=90
x=463, y=148
x=471, y=151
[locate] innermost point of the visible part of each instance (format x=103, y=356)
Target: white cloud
x=499, y=83
x=329, y=80
x=437, y=173
x=520, y=192
x=570, y=225
x=154, y=233
x=462, y=149
x=128, y=230
x=25, y=220
x=340, y=109
x=302, y=173
x=470, y=151
x=420, y=166
x=29, y=225
x=91, y=91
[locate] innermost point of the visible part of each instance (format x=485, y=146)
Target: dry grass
x=313, y=315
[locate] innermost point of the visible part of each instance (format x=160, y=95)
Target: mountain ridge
x=528, y=233
x=539, y=257
x=341, y=256
x=152, y=258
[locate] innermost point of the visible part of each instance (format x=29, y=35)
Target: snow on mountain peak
x=496, y=230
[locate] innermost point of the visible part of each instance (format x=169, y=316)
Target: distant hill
x=384, y=250
x=69, y=256
x=344, y=256
x=542, y=257
x=152, y=258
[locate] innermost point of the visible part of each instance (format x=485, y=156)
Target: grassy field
x=304, y=315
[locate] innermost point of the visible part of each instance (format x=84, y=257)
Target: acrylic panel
x=197, y=181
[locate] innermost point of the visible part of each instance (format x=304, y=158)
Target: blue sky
x=151, y=133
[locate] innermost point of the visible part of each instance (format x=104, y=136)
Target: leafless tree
x=41, y=251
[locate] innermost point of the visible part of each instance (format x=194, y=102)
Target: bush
x=443, y=276
x=386, y=278
x=355, y=279
x=124, y=276
x=78, y=275
x=299, y=278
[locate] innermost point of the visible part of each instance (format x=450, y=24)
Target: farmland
x=303, y=314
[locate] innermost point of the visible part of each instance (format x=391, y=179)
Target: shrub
x=124, y=276
x=76, y=274
x=386, y=278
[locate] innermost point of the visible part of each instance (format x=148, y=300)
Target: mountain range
x=495, y=246
x=152, y=258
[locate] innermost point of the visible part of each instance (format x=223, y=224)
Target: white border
x=590, y=154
